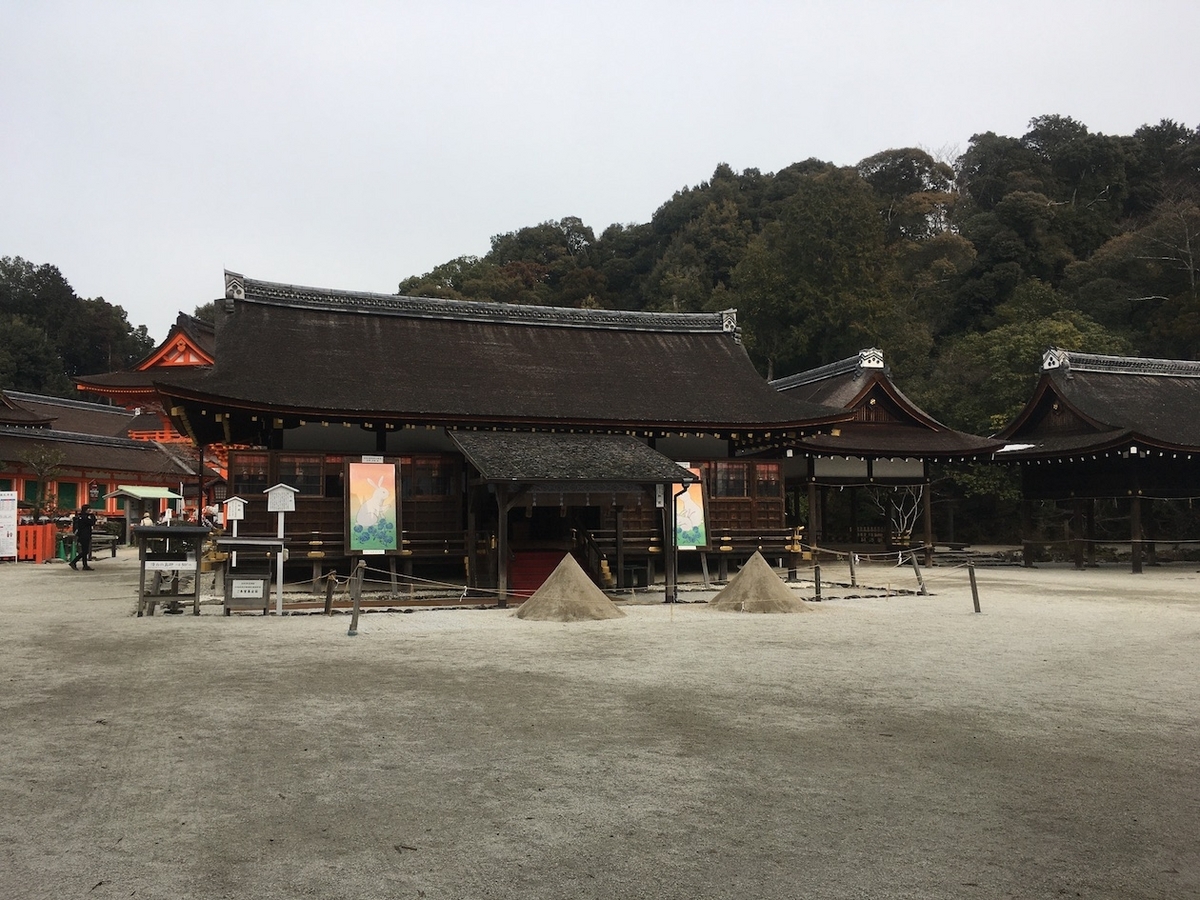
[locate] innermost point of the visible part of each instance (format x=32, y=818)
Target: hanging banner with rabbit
x=373, y=516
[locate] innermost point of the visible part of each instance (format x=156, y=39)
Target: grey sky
x=146, y=146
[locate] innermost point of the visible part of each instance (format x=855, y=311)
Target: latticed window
x=335, y=476
x=428, y=476
x=769, y=478
x=729, y=479
x=248, y=473
x=305, y=473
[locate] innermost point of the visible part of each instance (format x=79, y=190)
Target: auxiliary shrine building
x=867, y=480
x=516, y=432
x=1116, y=429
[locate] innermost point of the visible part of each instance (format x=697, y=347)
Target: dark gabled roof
x=94, y=452
x=886, y=422
x=1087, y=402
x=13, y=412
x=836, y=384
x=313, y=352
x=79, y=416
x=568, y=458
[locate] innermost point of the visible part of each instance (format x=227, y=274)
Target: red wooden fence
x=36, y=542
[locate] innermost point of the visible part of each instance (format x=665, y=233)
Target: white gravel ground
x=880, y=747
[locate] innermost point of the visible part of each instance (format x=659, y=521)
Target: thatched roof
x=316, y=353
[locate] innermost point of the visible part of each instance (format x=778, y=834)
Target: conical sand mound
x=568, y=595
x=756, y=588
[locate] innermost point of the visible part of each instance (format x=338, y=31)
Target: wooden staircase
x=529, y=569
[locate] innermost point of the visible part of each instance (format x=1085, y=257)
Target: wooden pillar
x=1091, y=533
x=814, y=519
x=1077, y=532
x=1026, y=530
x=887, y=527
x=620, y=540
x=670, y=561
x=502, y=547
x=1135, y=532
x=927, y=515
x=823, y=504
x=1150, y=548
x=471, y=563
x=853, y=514
x=199, y=491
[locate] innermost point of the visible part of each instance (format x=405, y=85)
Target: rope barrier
x=924, y=575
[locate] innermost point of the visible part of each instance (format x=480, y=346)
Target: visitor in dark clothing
x=82, y=524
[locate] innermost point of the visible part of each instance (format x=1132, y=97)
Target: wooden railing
x=36, y=543
x=162, y=435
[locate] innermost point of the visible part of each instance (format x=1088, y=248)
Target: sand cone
x=756, y=588
x=568, y=595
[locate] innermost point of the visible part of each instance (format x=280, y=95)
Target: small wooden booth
x=247, y=577
x=171, y=554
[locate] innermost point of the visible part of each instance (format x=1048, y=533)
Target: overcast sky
x=145, y=147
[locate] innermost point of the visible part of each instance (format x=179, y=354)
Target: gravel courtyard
x=878, y=747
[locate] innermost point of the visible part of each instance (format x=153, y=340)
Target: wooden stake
x=356, y=580
x=917, y=568
x=974, y=586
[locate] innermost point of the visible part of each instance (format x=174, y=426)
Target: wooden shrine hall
x=886, y=447
x=1108, y=428
x=305, y=383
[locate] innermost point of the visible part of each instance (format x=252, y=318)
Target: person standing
x=82, y=524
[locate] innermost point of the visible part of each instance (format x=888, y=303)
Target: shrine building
x=515, y=433
x=1115, y=429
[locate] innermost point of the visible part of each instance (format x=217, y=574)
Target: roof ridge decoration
x=239, y=288
x=870, y=358
x=1073, y=361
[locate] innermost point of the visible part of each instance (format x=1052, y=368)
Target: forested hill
x=962, y=271
x=49, y=334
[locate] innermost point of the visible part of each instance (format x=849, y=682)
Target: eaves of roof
x=377, y=357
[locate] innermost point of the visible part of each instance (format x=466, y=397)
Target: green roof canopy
x=138, y=492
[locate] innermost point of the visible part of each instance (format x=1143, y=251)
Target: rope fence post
x=330, y=581
x=974, y=586
x=917, y=569
x=817, y=582
x=853, y=573
x=356, y=580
